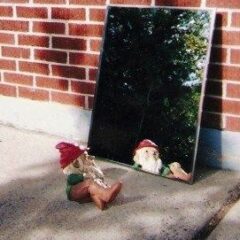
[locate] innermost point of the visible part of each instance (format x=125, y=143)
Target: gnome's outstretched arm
x=179, y=173
x=91, y=170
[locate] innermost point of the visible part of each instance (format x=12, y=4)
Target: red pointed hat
x=68, y=153
x=146, y=143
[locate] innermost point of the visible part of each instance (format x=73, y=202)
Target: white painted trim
x=219, y=149
x=61, y=120
x=203, y=4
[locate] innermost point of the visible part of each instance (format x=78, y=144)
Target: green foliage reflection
x=157, y=57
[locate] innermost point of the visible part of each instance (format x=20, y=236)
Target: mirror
x=150, y=83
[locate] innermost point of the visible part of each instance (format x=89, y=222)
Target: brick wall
x=50, y=49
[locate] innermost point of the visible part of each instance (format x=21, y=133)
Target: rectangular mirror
x=150, y=84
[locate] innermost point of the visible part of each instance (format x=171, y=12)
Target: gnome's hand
x=179, y=173
x=98, y=172
x=101, y=183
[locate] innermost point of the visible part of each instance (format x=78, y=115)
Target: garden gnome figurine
x=85, y=180
x=146, y=157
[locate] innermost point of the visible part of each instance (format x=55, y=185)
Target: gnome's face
x=148, y=158
x=73, y=168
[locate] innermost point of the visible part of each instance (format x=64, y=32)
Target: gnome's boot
x=179, y=173
x=101, y=196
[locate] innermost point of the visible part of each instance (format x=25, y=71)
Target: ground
x=33, y=203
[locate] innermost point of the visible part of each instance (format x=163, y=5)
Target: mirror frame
x=212, y=15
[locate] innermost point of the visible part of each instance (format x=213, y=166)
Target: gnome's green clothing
x=165, y=170
x=73, y=179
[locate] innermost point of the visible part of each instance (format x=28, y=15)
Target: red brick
x=15, y=1
x=231, y=106
x=212, y=120
x=15, y=52
x=50, y=1
x=6, y=11
x=97, y=15
x=6, y=38
x=235, y=20
x=92, y=30
x=226, y=37
x=93, y=74
x=221, y=19
x=69, y=43
x=233, y=90
x=7, y=64
x=222, y=105
x=67, y=98
x=66, y=14
x=218, y=55
x=179, y=3
x=138, y=2
x=33, y=93
x=232, y=123
x=32, y=12
x=12, y=25
x=90, y=102
x=7, y=90
x=49, y=27
x=32, y=67
x=88, y=2
x=68, y=72
x=223, y=3
x=214, y=88
x=18, y=78
x=224, y=72
x=84, y=59
x=50, y=55
x=235, y=56
x=95, y=45
x=33, y=40
x=83, y=87
x=54, y=83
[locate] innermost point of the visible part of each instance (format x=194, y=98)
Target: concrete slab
x=229, y=227
x=33, y=204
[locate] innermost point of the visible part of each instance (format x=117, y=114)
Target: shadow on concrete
x=36, y=203
x=149, y=207
x=223, y=231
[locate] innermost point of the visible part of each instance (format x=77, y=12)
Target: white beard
x=148, y=161
x=151, y=165
x=88, y=168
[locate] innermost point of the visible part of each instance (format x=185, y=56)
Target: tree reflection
x=154, y=58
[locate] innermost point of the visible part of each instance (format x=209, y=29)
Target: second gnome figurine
x=146, y=157
x=85, y=180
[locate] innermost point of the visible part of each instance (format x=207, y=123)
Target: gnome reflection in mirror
x=146, y=157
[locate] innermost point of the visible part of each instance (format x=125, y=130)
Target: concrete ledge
x=216, y=148
x=229, y=226
x=52, y=118
x=33, y=203
x=219, y=149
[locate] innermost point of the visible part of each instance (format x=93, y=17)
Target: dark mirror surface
x=150, y=82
